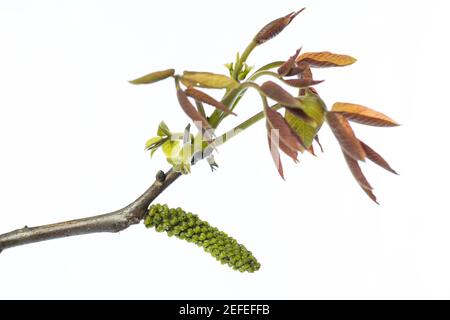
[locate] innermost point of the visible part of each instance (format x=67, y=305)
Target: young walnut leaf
x=373, y=156
x=302, y=83
x=273, y=28
x=277, y=93
x=208, y=80
x=363, y=115
x=154, y=77
x=304, y=130
x=293, y=154
x=325, y=59
x=305, y=70
x=313, y=106
x=273, y=139
x=163, y=130
x=153, y=142
x=201, y=123
x=205, y=98
x=171, y=148
x=356, y=171
x=359, y=176
x=345, y=136
x=286, y=67
x=287, y=135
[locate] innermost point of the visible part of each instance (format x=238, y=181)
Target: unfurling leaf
x=153, y=142
x=305, y=70
x=277, y=93
x=345, y=136
x=359, y=176
x=201, y=123
x=273, y=28
x=363, y=115
x=313, y=106
x=181, y=161
x=171, y=148
x=273, y=147
x=373, y=156
x=203, y=97
x=286, y=134
x=163, y=130
x=286, y=68
x=208, y=80
x=245, y=71
x=325, y=59
x=154, y=77
x=302, y=83
x=303, y=126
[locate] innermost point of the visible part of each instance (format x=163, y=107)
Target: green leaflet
x=152, y=142
x=181, y=162
x=163, y=130
x=154, y=77
x=187, y=226
x=171, y=148
x=209, y=80
x=314, y=107
x=305, y=131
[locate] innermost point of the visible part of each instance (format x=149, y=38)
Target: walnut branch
x=111, y=222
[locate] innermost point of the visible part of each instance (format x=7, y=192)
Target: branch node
x=160, y=176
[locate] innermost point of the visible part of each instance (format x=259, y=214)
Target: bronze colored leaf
x=371, y=195
x=271, y=134
x=200, y=122
x=345, y=136
x=286, y=133
x=154, y=77
x=363, y=115
x=294, y=71
x=325, y=59
x=205, y=98
x=357, y=172
x=313, y=90
x=305, y=70
x=302, y=83
x=209, y=80
x=305, y=73
x=273, y=28
x=286, y=67
x=288, y=151
x=277, y=93
x=376, y=158
x=359, y=176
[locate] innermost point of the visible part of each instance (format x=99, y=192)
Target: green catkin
x=189, y=227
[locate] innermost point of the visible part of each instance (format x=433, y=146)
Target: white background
x=72, y=131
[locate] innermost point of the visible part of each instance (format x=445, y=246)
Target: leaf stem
x=241, y=127
x=230, y=99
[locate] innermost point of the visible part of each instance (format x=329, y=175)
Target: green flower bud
x=189, y=227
